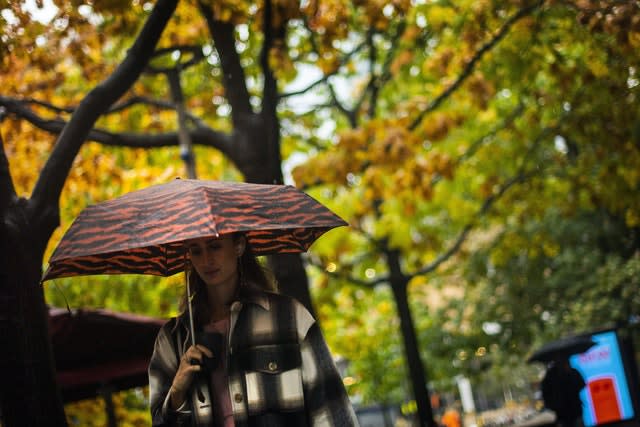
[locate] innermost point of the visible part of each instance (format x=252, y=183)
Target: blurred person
x=561, y=392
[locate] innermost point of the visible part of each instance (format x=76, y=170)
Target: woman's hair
x=250, y=271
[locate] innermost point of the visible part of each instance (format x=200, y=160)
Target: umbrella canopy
x=562, y=348
x=142, y=232
x=97, y=348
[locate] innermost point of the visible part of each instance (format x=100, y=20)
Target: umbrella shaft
x=189, y=308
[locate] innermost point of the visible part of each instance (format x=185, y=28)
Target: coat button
x=273, y=366
x=238, y=398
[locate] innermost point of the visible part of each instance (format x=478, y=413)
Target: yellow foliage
x=88, y=413
x=522, y=30
x=329, y=62
x=405, y=57
x=229, y=10
x=353, y=139
x=282, y=12
x=186, y=27
x=328, y=18
x=439, y=16
x=550, y=248
x=281, y=63
x=114, y=6
x=482, y=90
x=488, y=186
x=391, y=146
x=26, y=149
x=634, y=39
x=632, y=218
x=597, y=66
x=379, y=13
x=411, y=34
x=387, y=158
x=438, y=125
x=130, y=410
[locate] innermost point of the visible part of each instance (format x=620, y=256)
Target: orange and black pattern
x=142, y=232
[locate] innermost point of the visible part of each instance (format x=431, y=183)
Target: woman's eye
x=195, y=252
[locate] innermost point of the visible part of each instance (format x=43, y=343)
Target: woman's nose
x=207, y=256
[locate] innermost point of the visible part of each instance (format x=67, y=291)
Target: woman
x=271, y=366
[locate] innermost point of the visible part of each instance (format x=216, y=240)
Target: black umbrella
x=562, y=349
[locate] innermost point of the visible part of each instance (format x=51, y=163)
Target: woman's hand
x=190, y=363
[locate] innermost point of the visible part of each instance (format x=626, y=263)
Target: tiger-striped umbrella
x=142, y=232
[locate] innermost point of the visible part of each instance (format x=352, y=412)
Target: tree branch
x=19, y=107
x=270, y=88
x=376, y=84
x=351, y=115
x=442, y=257
x=201, y=135
x=489, y=201
x=160, y=104
x=469, y=68
x=233, y=74
x=135, y=100
x=51, y=180
x=343, y=275
x=519, y=177
x=7, y=190
x=475, y=145
x=270, y=95
x=371, y=84
x=325, y=78
x=44, y=104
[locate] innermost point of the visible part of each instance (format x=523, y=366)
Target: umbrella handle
x=189, y=308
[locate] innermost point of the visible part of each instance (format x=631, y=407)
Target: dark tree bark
x=29, y=395
x=256, y=135
x=398, y=282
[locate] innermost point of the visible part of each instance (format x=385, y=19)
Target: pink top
x=222, y=410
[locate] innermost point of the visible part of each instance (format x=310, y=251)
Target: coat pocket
x=273, y=377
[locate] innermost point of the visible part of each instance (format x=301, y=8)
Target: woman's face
x=216, y=259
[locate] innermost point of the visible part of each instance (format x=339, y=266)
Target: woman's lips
x=211, y=272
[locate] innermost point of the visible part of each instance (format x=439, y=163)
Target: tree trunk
x=417, y=373
x=256, y=135
x=29, y=395
x=292, y=277
x=416, y=369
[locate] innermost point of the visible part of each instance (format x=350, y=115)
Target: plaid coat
x=280, y=370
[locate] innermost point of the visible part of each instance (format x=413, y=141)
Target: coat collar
x=252, y=294
x=249, y=293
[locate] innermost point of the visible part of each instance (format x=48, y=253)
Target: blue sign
x=605, y=397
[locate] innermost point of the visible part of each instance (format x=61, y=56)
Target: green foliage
x=552, y=277
x=361, y=327
x=549, y=115
x=149, y=295
x=130, y=410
